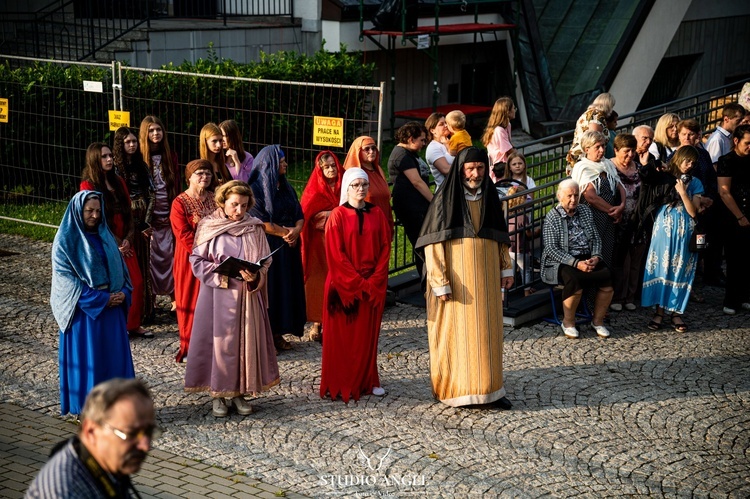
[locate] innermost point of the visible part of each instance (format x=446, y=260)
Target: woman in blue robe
x=90, y=298
x=277, y=206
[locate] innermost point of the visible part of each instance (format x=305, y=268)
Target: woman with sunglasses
x=188, y=209
x=364, y=154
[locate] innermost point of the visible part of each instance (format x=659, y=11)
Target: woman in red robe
x=320, y=197
x=99, y=175
x=187, y=210
x=358, y=247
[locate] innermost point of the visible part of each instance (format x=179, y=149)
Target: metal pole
x=114, y=89
x=91, y=30
x=380, y=114
x=119, y=71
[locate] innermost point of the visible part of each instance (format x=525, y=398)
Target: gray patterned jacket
x=555, y=234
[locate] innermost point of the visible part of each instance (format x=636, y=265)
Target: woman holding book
x=231, y=349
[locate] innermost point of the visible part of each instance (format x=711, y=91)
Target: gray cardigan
x=555, y=234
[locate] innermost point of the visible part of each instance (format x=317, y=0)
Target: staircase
x=76, y=30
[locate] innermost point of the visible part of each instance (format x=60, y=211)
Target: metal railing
x=224, y=9
x=74, y=30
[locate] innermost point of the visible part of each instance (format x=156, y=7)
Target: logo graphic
x=368, y=461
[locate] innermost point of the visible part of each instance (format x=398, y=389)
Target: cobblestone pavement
x=641, y=413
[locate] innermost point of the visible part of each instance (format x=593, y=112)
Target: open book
x=231, y=266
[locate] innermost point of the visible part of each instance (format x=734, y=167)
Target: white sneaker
x=729, y=311
x=570, y=332
x=220, y=409
x=746, y=306
x=616, y=307
x=601, y=331
x=630, y=306
x=378, y=391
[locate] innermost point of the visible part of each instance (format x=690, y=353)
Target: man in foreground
x=117, y=428
x=465, y=242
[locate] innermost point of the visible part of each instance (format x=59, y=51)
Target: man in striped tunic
x=465, y=243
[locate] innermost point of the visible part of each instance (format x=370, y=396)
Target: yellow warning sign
x=328, y=132
x=4, y=110
x=118, y=119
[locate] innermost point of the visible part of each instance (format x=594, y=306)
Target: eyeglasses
x=152, y=432
x=203, y=174
x=370, y=148
x=362, y=185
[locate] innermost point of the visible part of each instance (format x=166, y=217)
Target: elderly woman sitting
x=572, y=257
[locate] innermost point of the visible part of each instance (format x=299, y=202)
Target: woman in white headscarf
x=601, y=189
x=358, y=247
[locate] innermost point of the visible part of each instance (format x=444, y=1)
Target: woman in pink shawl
x=231, y=348
x=320, y=197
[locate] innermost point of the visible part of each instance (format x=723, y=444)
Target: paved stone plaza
x=642, y=413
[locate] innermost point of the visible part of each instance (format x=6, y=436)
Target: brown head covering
x=195, y=165
x=353, y=158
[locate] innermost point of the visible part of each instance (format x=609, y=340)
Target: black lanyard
x=104, y=481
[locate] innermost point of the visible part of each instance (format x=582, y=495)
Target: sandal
x=653, y=324
x=281, y=344
x=315, y=333
x=140, y=333
x=680, y=327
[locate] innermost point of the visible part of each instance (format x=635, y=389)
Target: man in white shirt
x=720, y=142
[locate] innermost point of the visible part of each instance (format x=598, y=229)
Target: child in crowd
x=496, y=137
x=515, y=169
x=609, y=152
x=520, y=228
x=460, y=138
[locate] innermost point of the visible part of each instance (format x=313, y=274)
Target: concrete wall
x=718, y=30
x=722, y=46
x=646, y=53
x=238, y=44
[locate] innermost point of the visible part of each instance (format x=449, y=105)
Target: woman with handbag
x=670, y=265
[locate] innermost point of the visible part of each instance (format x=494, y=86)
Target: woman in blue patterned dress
x=670, y=266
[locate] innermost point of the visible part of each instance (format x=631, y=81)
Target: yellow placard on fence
x=118, y=119
x=4, y=110
x=328, y=132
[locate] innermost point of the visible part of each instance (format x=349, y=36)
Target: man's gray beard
x=471, y=189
